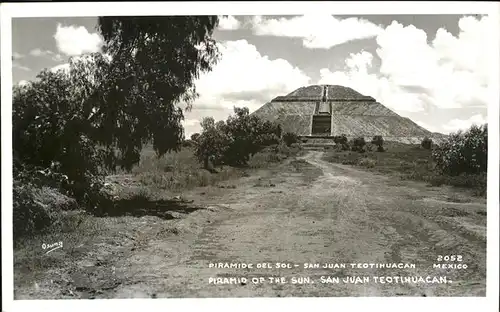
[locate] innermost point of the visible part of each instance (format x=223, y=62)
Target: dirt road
x=339, y=216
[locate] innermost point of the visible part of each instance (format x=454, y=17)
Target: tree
x=155, y=61
x=249, y=134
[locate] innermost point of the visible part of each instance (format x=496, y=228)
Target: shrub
x=426, y=143
x=358, y=144
x=463, y=152
x=367, y=162
x=379, y=142
x=340, y=139
x=29, y=216
x=290, y=138
x=341, y=142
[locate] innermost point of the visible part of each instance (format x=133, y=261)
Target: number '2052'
x=452, y=258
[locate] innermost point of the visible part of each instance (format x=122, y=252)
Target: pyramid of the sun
x=329, y=110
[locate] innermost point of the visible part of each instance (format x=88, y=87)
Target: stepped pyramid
x=322, y=111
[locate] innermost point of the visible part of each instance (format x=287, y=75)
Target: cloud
x=385, y=90
x=427, y=126
x=190, y=122
x=449, y=72
x=461, y=124
x=19, y=66
x=229, y=23
x=23, y=83
x=73, y=40
x=37, y=52
x=317, y=31
x=46, y=53
x=243, y=77
x=17, y=56
x=191, y=126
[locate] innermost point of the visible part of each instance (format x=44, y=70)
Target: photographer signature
x=52, y=247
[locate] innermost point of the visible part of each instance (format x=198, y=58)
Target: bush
x=463, y=152
x=426, y=143
x=367, y=162
x=358, y=144
x=290, y=138
x=29, y=216
x=234, y=142
x=340, y=139
x=379, y=142
x=341, y=142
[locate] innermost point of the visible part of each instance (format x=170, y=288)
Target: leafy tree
x=249, y=134
x=233, y=142
x=54, y=122
x=155, y=61
x=213, y=142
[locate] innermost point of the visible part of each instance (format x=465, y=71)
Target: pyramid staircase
x=320, y=137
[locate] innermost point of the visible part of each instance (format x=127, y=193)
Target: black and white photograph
x=316, y=154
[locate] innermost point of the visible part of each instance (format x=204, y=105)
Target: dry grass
x=407, y=162
x=178, y=171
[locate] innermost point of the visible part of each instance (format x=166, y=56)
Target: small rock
x=272, y=185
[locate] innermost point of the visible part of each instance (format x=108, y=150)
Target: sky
x=432, y=69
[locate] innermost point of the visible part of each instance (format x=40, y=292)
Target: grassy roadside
x=407, y=162
x=153, y=182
